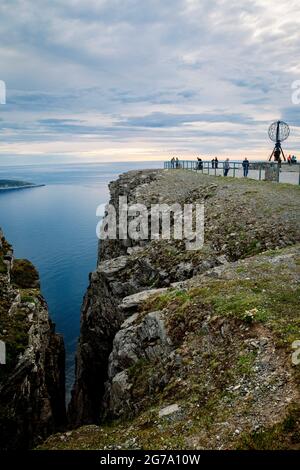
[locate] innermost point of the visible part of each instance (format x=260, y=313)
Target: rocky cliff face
x=193, y=348
x=117, y=275
x=32, y=394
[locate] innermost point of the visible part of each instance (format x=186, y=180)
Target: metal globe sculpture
x=278, y=132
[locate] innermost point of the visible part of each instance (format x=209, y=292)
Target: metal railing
x=267, y=171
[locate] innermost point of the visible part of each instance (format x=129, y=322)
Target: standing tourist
x=226, y=167
x=245, y=166
x=200, y=163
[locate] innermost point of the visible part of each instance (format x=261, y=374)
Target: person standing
x=289, y=159
x=213, y=163
x=200, y=163
x=216, y=163
x=245, y=166
x=226, y=167
x=177, y=162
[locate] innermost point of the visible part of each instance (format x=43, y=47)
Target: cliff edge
x=32, y=380
x=192, y=349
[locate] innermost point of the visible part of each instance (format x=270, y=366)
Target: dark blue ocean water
x=55, y=227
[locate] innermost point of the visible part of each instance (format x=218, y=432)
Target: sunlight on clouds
x=128, y=79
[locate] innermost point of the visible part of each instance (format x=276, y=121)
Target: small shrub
x=3, y=267
x=24, y=274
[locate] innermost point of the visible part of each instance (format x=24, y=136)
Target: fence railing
x=267, y=171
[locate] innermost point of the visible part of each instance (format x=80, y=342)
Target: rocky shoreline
x=24, y=186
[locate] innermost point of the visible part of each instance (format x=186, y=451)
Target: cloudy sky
x=145, y=79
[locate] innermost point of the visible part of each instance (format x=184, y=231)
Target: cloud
x=291, y=115
x=158, y=119
x=161, y=75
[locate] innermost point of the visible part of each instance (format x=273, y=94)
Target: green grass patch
x=285, y=435
x=24, y=274
x=245, y=363
x=3, y=267
x=28, y=298
x=15, y=337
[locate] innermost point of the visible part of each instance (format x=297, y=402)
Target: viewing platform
x=258, y=170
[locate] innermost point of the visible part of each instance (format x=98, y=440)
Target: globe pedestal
x=272, y=172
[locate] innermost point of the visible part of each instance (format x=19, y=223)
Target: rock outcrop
x=117, y=276
x=206, y=334
x=32, y=380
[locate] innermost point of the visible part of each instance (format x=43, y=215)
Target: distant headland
x=8, y=185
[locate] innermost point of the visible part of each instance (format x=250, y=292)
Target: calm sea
x=54, y=226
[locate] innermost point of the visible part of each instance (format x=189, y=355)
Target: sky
x=117, y=80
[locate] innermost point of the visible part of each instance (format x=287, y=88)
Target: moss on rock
x=24, y=274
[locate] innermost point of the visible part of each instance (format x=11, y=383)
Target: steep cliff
x=32, y=394
x=117, y=276
x=193, y=348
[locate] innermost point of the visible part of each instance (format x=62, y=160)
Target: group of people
x=245, y=166
x=215, y=164
x=226, y=165
x=292, y=160
x=175, y=162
